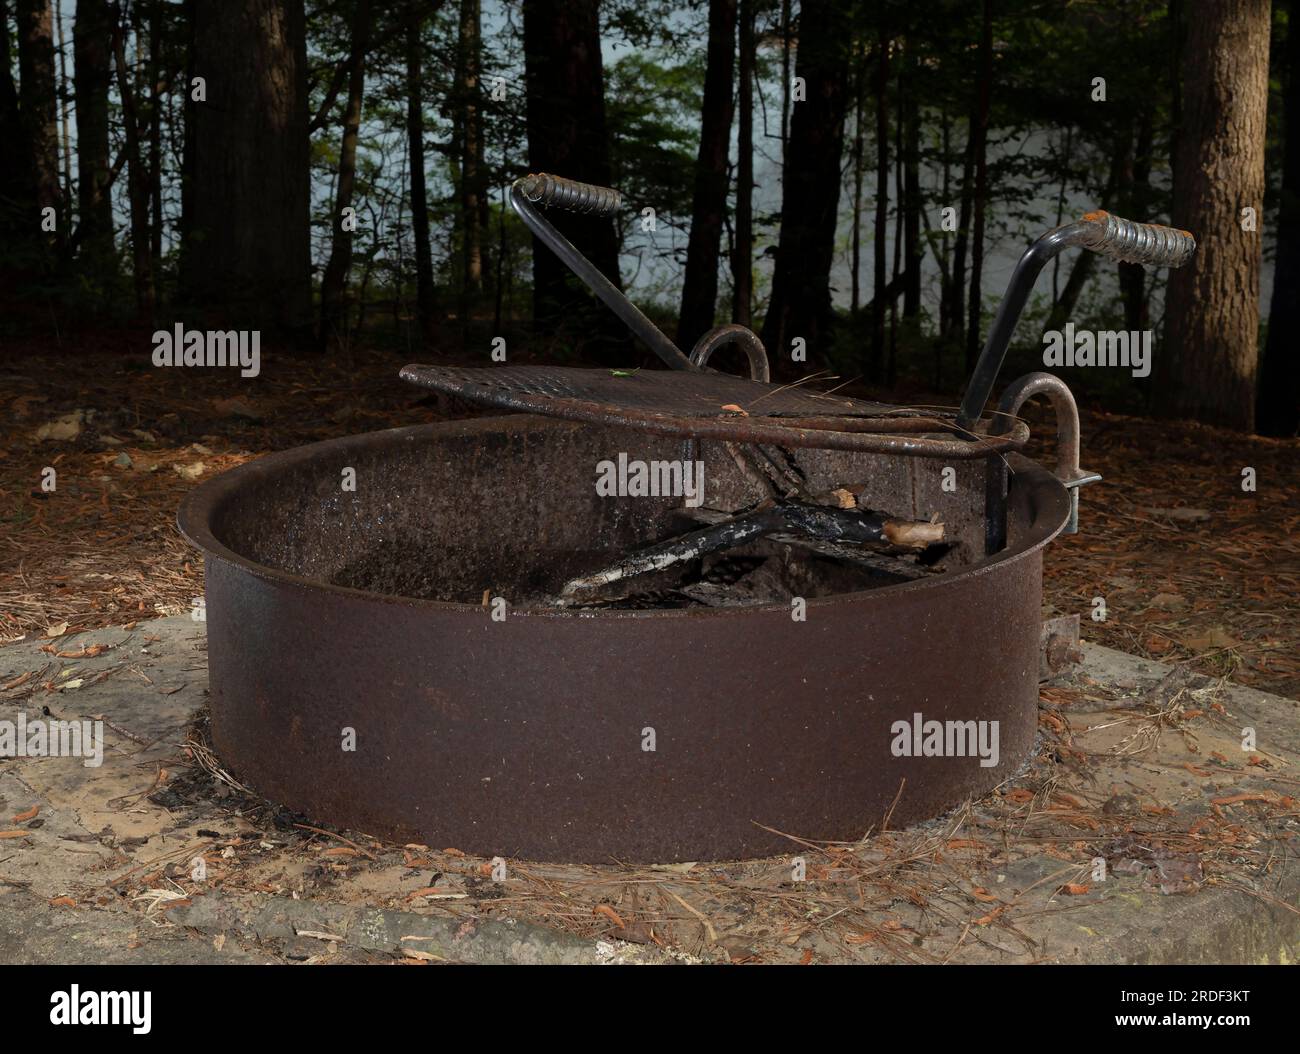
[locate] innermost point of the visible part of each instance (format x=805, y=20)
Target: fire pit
x=476, y=647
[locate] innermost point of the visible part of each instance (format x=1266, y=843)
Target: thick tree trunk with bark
x=424, y=291
x=19, y=220
x=91, y=77
x=1278, y=406
x=800, y=305
x=700, y=285
x=742, y=258
x=1207, y=365
x=333, y=308
x=247, y=257
x=567, y=136
x=38, y=103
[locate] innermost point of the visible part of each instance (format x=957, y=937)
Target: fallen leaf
x=14, y=834
x=58, y=629
x=191, y=472
x=1075, y=889
x=63, y=902
x=734, y=409
x=609, y=913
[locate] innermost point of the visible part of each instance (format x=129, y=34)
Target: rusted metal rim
x=200, y=506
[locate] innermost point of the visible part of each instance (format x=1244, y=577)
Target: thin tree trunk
x=1136, y=199
x=1060, y=207
x=424, y=291
x=333, y=308
x=980, y=132
x=471, y=145
x=1212, y=304
x=957, y=278
x=137, y=178
x=91, y=77
x=700, y=283
x=786, y=45
x=896, y=272
x=155, y=67
x=882, y=204
x=64, y=120
x=911, y=199
x=1278, y=406
x=742, y=257
x=859, y=147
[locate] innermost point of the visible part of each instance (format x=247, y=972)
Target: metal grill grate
x=713, y=406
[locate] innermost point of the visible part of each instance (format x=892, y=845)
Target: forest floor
x=1190, y=566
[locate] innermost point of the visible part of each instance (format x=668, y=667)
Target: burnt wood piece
x=816, y=521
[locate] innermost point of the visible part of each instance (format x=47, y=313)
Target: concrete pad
x=148, y=858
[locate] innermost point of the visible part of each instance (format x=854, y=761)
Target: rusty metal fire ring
x=525, y=737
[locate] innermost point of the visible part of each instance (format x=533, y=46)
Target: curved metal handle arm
x=565, y=193
x=1101, y=232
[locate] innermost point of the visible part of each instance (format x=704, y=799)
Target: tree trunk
x=157, y=12
x=786, y=41
x=878, y=305
x=980, y=135
x=567, y=136
x=333, y=308
x=248, y=258
x=137, y=178
x=957, y=277
x=1278, y=405
x=91, y=76
x=1134, y=202
x=859, y=149
x=471, y=152
x=18, y=221
x=1212, y=304
x=38, y=104
x=65, y=129
x=911, y=201
x=742, y=257
x=800, y=305
x=424, y=291
x=700, y=284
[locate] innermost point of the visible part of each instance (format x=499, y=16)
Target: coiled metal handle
x=557, y=192
x=1136, y=243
